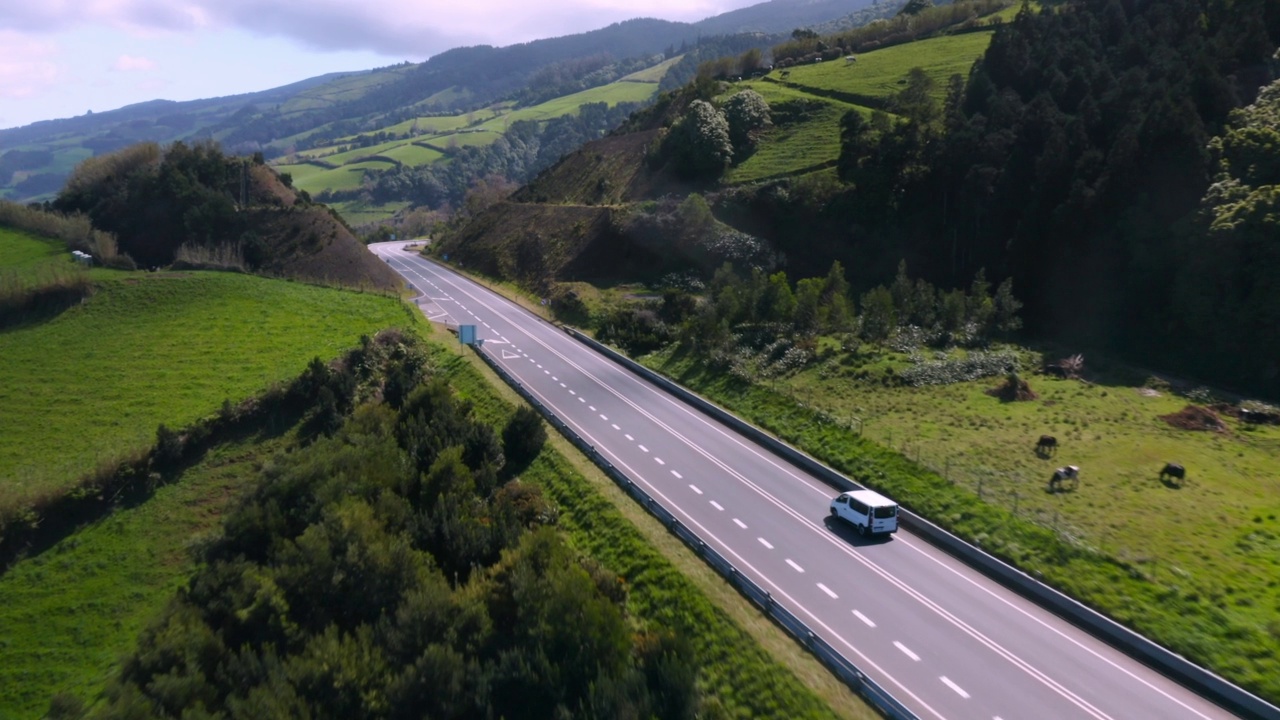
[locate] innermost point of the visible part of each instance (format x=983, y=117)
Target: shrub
x=523, y=438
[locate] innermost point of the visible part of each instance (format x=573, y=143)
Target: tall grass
x=196, y=256
x=74, y=230
x=46, y=291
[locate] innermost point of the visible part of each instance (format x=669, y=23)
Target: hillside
x=195, y=207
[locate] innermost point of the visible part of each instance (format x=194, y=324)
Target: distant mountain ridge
x=35, y=159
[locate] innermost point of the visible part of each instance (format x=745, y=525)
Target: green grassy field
x=357, y=212
x=347, y=177
x=877, y=73
x=653, y=74
x=796, y=146
x=1195, y=567
x=464, y=139
x=613, y=93
x=147, y=349
x=438, y=124
x=72, y=611
x=411, y=154
x=1217, y=536
x=23, y=255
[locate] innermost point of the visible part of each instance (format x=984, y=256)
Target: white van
x=867, y=510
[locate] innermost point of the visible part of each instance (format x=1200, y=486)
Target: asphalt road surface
x=946, y=641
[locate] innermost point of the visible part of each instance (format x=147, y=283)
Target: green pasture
x=878, y=73
x=792, y=147
x=300, y=171
x=357, y=212
x=23, y=255
x=355, y=153
x=94, y=382
x=653, y=74
x=1194, y=566
x=613, y=93
x=347, y=177
x=463, y=139
x=411, y=154
x=1216, y=536
x=438, y=124
x=71, y=612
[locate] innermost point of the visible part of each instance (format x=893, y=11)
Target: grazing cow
x=1173, y=470
x=1063, y=474
x=1056, y=371
x=1048, y=445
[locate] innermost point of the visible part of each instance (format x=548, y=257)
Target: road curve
x=946, y=641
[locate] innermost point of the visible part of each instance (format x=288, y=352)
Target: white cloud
x=131, y=63
x=410, y=28
x=27, y=66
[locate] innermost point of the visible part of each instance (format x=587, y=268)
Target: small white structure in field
x=850, y=59
x=83, y=258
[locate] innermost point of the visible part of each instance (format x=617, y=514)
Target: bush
x=523, y=438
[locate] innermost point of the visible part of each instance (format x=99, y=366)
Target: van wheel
x=834, y=515
x=866, y=530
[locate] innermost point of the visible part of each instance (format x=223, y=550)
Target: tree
x=700, y=141
x=878, y=317
x=747, y=113
x=1006, y=308
x=523, y=437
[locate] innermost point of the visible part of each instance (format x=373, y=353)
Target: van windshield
x=887, y=511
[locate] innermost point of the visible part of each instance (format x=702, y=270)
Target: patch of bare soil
x=1195, y=417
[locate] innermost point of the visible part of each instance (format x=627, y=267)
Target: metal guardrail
x=1216, y=688
x=870, y=691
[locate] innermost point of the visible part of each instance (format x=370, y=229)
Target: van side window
x=858, y=505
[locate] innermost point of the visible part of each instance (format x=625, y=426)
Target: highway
x=949, y=643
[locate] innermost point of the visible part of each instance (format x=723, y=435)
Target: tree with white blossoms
x=700, y=141
x=747, y=113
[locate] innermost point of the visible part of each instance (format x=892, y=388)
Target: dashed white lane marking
x=561, y=384
x=739, y=523
x=643, y=448
x=615, y=426
x=602, y=416
x=571, y=392
x=532, y=360
x=660, y=460
x=698, y=490
x=959, y=690
x=678, y=475
x=863, y=618
x=717, y=506
x=546, y=372
x=553, y=377
x=906, y=651
x=828, y=591
x=486, y=325
x=793, y=564
x=592, y=408
x=540, y=368
x=581, y=400
x=765, y=543
x=628, y=437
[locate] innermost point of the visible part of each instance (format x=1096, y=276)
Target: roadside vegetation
x=910, y=391
x=586, y=556
x=93, y=383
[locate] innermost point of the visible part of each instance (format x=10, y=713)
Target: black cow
x=1062, y=475
x=1056, y=370
x=1047, y=445
x=1173, y=470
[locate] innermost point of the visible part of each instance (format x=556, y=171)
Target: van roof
x=870, y=497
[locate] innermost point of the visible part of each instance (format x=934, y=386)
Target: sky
x=62, y=58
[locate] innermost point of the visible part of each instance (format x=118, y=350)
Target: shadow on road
x=850, y=534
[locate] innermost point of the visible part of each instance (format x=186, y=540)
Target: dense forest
x=398, y=567
x=1105, y=154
